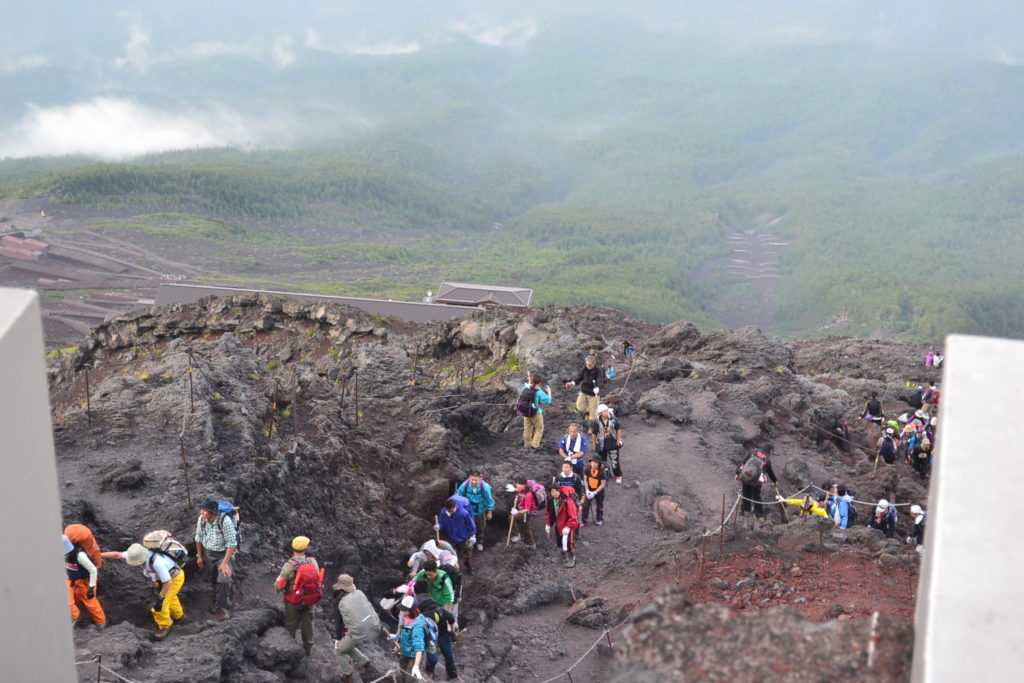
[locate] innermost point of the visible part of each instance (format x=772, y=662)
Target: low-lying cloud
x=116, y=128
x=514, y=34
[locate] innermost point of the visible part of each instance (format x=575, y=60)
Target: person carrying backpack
x=478, y=493
x=358, y=625
x=921, y=459
x=411, y=637
x=844, y=514
x=872, y=411
x=609, y=440
x=887, y=447
x=563, y=513
x=595, y=479
x=301, y=581
x=523, y=508
x=167, y=578
x=589, y=381
x=884, y=518
x=441, y=588
x=216, y=543
x=457, y=522
x=756, y=469
x=573, y=447
x=919, y=522
x=530, y=403
x=82, y=574
x=442, y=628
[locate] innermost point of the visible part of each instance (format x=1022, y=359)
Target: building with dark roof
x=465, y=294
x=403, y=310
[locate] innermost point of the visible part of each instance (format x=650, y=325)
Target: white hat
x=916, y=510
x=68, y=545
x=883, y=505
x=919, y=413
x=890, y=430
x=136, y=555
x=601, y=408
x=408, y=602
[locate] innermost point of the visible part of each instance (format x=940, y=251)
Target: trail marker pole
x=191, y=392
x=88, y=403
x=357, y=400
x=295, y=402
x=273, y=410
x=184, y=468
x=721, y=531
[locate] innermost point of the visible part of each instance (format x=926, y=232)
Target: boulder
x=669, y=513
x=279, y=650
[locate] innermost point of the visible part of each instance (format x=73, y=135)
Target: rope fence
x=97, y=660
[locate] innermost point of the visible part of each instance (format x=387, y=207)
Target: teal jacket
x=480, y=498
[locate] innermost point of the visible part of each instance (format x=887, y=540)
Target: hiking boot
x=618, y=480
x=600, y=522
x=531, y=546
x=161, y=633
x=570, y=560
x=517, y=538
x=102, y=625
x=582, y=524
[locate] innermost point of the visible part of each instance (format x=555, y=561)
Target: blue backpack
x=430, y=633
x=225, y=508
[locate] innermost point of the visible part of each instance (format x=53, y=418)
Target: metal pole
x=295, y=402
x=273, y=410
x=569, y=674
x=88, y=403
x=99, y=668
x=703, y=557
x=415, y=363
x=191, y=393
x=184, y=467
x=357, y=399
x=721, y=530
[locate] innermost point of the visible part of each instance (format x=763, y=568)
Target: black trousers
x=753, y=492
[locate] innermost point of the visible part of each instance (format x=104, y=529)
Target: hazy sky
x=73, y=72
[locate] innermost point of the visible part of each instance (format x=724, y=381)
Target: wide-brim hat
x=344, y=583
x=136, y=555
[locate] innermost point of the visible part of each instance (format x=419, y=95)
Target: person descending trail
x=530, y=406
x=457, y=522
x=872, y=412
x=441, y=633
x=573, y=447
x=522, y=510
x=609, y=440
x=563, y=514
x=216, y=543
x=884, y=518
x=442, y=553
x=921, y=459
x=478, y=493
x=441, y=588
x=919, y=522
x=358, y=625
x=589, y=381
x=887, y=445
x=82, y=584
x=756, y=469
x=595, y=480
x=566, y=476
x=301, y=581
x=411, y=637
x=167, y=577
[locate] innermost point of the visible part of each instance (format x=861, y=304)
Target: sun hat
x=136, y=555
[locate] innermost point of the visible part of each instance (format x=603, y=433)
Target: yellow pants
x=587, y=405
x=533, y=430
x=172, y=610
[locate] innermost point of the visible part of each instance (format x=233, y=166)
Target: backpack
x=611, y=372
x=752, y=469
x=225, y=508
x=540, y=496
x=888, y=449
x=851, y=514
x=307, y=586
x=162, y=542
x=526, y=406
x=430, y=632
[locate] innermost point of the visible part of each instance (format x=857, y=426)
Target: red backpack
x=308, y=585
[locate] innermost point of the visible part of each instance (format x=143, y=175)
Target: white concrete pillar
x=35, y=636
x=969, y=620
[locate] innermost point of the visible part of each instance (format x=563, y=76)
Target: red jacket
x=568, y=513
x=525, y=500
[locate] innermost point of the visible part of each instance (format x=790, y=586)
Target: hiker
x=411, y=637
x=443, y=626
x=609, y=440
x=530, y=406
x=457, y=523
x=573, y=447
x=562, y=513
x=884, y=518
x=627, y=348
x=82, y=575
x=844, y=515
x=872, y=411
x=930, y=398
x=442, y=553
x=440, y=585
x=751, y=473
x=216, y=543
x=589, y=381
x=887, y=445
x=478, y=493
x=167, y=578
x=358, y=626
x=595, y=478
x=809, y=505
x=301, y=581
x=919, y=521
x=522, y=509
x=566, y=476
x=921, y=459
x=913, y=399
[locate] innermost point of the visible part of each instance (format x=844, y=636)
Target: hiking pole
x=782, y=504
x=876, y=460
x=511, y=520
x=437, y=533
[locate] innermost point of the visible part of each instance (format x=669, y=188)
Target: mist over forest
x=868, y=152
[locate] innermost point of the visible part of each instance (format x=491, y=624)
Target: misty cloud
x=24, y=63
x=136, y=52
x=284, y=51
x=114, y=128
x=514, y=34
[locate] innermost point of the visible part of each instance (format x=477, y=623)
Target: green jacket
x=440, y=589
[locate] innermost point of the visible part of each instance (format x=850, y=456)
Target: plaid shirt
x=218, y=535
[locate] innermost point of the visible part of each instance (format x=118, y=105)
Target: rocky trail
x=322, y=421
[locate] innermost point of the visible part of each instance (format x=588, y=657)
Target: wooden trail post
x=721, y=531
x=184, y=468
x=357, y=399
x=273, y=410
x=88, y=402
x=191, y=392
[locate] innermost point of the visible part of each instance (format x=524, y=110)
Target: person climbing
x=533, y=395
x=921, y=459
x=411, y=637
x=756, y=469
x=166, y=576
x=884, y=518
x=919, y=521
x=627, y=349
x=478, y=493
x=440, y=585
x=589, y=381
x=566, y=476
x=573, y=447
x=887, y=445
x=522, y=510
x=457, y=523
x=446, y=627
x=301, y=581
x=930, y=398
x=809, y=505
x=872, y=411
x=442, y=553
x=563, y=514
x=595, y=479
x=216, y=543
x=844, y=515
x=913, y=399
x=82, y=583
x=358, y=625
x=609, y=440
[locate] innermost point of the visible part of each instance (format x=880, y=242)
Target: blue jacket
x=460, y=526
x=480, y=498
x=540, y=399
x=411, y=638
x=844, y=504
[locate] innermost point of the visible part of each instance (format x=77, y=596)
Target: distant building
x=465, y=294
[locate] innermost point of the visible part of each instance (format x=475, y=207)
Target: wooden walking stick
x=782, y=504
x=437, y=532
x=511, y=520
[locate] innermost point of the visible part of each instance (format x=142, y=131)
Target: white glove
x=510, y=487
x=570, y=384
x=472, y=540
x=416, y=673
x=590, y=495
x=910, y=539
x=437, y=527
x=597, y=390
x=513, y=512
x=547, y=529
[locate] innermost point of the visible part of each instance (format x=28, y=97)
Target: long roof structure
x=466, y=294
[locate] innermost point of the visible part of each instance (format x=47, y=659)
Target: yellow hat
x=300, y=543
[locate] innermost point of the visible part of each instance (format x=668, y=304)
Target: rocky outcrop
x=669, y=513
